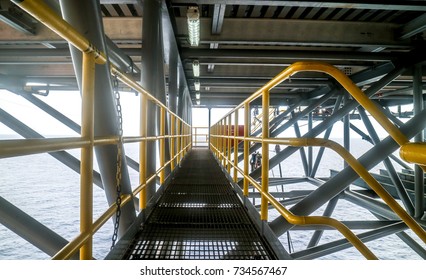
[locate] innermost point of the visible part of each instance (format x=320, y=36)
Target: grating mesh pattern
x=185, y=243
x=199, y=200
x=199, y=217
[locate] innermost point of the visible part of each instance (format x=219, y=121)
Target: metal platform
x=199, y=216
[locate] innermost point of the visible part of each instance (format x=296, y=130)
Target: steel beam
x=66, y=121
x=30, y=229
x=339, y=245
x=419, y=249
x=338, y=183
x=354, y=4
x=327, y=213
x=85, y=17
x=218, y=17
x=298, y=32
x=414, y=27
x=402, y=192
x=26, y=132
x=371, y=204
x=285, y=55
x=326, y=136
x=302, y=149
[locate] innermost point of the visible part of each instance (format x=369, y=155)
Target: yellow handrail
x=219, y=137
x=91, y=55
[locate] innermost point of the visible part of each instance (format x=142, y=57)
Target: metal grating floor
x=200, y=217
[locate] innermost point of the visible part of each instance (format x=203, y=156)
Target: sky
x=69, y=103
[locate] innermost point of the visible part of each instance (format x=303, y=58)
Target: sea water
x=48, y=191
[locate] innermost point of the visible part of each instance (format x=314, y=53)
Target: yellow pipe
x=316, y=220
x=86, y=167
x=357, y=94
x=414, y=153
x=179, y=147
x=356, y=166
x=246, y=147
x=72, y=247
x=134, y=85
x=265, y=157
x=362, y=172
x=347, y=83
x=47, y=16
x=21, y=147
x=236, y=146
x=172, y=140
x=162, y=143
x=229, y=143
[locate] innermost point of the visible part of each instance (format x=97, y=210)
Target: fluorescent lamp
x=197, y=95
x=197, y=85
x=193, y=16
x=196, y=68
x=198, y=101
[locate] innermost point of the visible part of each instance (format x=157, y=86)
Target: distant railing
x=221, y=139
x=180, y=134
x=200, y=136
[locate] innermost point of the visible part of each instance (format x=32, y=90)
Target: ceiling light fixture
x=197, y=95
x=193, y=16
x=197, y=85
x=196, y=68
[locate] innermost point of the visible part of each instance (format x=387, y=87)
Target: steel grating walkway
x=199, y=216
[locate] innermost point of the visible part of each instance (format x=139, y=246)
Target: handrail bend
x=221, y=135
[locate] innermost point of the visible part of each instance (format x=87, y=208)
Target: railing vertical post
x=246, y=146
x=213, y=140
x=162, y=143
x=142, y=149
x=172, y=140
x=265, y=156
x=179, y=140
x=235, y=146
x=221, y=140
x=229, y=143
x=86, y=167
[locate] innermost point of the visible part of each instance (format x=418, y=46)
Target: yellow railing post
x=229, y=144
x=86, y=167
x=213, y=142
x=142, y=150
x=236, y=146
x=221, y=128
x=265, y=156
x=162, y=143
x=172, y=141
x=179, y=141
x=246, y=147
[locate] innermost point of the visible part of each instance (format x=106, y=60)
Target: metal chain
x=118, y=174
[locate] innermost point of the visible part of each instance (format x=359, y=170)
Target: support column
x=419, y=207
x=310, y=149
x=85, y=17
x=149, y=71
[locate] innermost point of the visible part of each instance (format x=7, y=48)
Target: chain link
x=118, y=174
